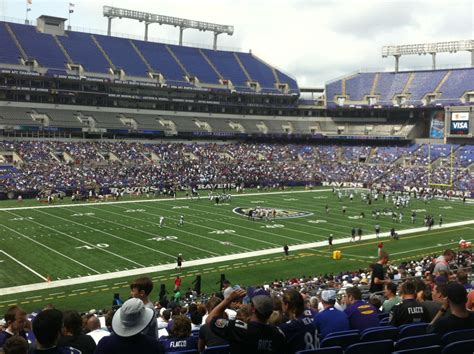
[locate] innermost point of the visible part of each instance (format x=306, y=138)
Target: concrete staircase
x=178, y=61
x=211, y=64
x=103, y=52
x=15, y=40
x=374, y=84
x=247, y=75
x=60, y=45
x=147, y=64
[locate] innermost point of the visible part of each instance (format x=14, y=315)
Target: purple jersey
x=301, y=334
x=362, y=315
x=173, y=344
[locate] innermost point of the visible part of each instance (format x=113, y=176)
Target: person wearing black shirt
x=378, y=274
x=460, y=317
x=256, y=336
x=409, y=310
x=72, y=336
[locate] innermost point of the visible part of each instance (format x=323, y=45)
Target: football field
x=65, y=248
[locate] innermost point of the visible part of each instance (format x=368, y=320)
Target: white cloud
x=315, y=40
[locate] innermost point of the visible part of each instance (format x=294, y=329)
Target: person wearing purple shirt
x=299, y=330
x=180, y=338
x=361, y=314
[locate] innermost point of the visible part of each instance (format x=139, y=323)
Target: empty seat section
x=424, y=82
x=257, y=70
x=39, y=46
x=122, y=55
x=83, y=50
x=359, y=86
x=226, y=64
x=161, y=60
x=195, y=64
x=458, y=82
x=9, y=52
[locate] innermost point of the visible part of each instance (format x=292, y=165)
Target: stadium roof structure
x=428, y=48
x=149, y=18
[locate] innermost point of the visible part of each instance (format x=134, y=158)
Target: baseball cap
x=263, y=304
x=328, y=295
x=132, y=318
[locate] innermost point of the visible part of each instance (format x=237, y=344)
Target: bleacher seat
x=456, y=336
x=380, y=347
x=219, y=349
x=417, y=341
x=385, y=321
x=339, y=333
x=342, y=340
x=412, y=329
x=379, y=333
x=461, y=347
x=329, y=350
x=434, y=349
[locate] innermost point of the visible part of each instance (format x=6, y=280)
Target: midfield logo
x=280, y=213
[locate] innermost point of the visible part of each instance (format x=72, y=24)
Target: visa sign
x=459, y=127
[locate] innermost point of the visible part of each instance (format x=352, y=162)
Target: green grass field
x=96, y=239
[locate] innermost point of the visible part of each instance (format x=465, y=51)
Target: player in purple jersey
x=300, y=330
x=180, y=338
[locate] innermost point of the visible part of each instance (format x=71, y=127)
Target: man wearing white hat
x=128, y=324
x=330, y=319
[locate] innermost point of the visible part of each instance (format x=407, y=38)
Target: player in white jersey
x=162, y=221
x=181, y=220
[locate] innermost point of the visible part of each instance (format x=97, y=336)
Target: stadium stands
x=99, y=54
x=448, y=87
x=396, y=167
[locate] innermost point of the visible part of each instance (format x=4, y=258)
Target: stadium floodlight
x=149, y=18
x=428, y=48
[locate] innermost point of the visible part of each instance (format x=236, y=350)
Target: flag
x=71, y=7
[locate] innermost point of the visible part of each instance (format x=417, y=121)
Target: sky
x=314, y=41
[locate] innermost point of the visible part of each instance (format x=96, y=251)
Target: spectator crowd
x=282, y=316
x=41, y=165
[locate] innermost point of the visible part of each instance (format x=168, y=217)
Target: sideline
x=212, y=260
x=79, y=204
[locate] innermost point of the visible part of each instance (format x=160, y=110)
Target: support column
x=181, y=29
x=433, y=56
x=146, y=31
x=109, y=27
x=472, y=58
x=214, y=46
x=397, y=62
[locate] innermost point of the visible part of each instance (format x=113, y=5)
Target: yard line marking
x=112, y=235
x=6, y=301
x=51, y=249
x=32, y=297
x=212, y=260
x=146, y=232
x=77, y=290
x=24, y=266
x=185, y=231
x=75, y=238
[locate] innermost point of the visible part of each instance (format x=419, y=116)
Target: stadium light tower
x=428, y=48
x=149, y=18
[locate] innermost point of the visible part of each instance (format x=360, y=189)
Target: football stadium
x=159, y=197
